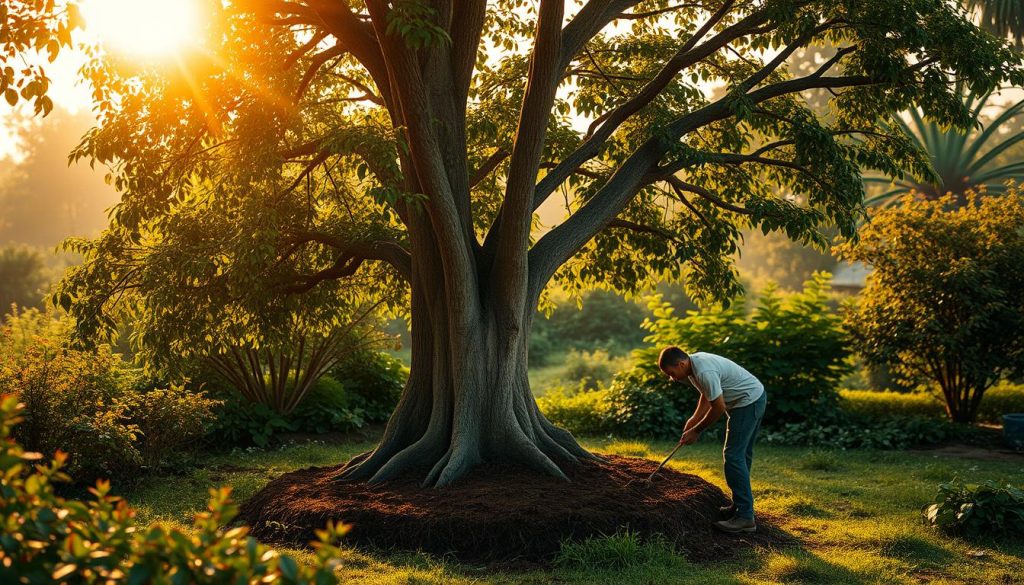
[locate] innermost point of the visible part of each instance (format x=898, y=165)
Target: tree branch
x=488, y=167
x=680, y=185
x=641, y=168
x=605, y=126
x=514, y=219
x=650, y=13
x=637, y=227
x=318, y=61
x=351, y=255
x=297, y=54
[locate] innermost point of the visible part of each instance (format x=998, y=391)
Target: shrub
x=946, y=298
x=85, y=404
x=591, y=370
x=999, y=400
x=643, y=402
x=170, y=421
x=852, y=432
x=793, y=343
x=374, y=381
x=881, y=404
x=46, y=539
x=326, y=407
x=584, y=412
x=977, y=509
x=238, y=421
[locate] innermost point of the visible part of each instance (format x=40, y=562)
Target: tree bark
x=468, y=397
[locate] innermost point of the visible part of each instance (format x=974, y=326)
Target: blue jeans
x=740, y=434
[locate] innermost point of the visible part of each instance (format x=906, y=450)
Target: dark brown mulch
x=502, y=512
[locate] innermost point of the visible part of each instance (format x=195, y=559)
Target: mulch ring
x=502, y=512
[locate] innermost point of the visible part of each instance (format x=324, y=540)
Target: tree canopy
x=290, y=128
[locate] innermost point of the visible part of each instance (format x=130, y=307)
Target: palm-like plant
x=1004, y=18
x=961, y=161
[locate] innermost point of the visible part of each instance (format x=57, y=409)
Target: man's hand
x=689, y=437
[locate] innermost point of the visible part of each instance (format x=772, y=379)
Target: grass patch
x=855, y=514
x=628, y=449
x=622, y=550
x=820, y=460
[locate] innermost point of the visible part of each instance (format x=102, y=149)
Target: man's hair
x=671, y=356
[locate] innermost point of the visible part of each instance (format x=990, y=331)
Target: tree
x=962, y=161
x=23, y=277
x=417, y=139
x=946, y=299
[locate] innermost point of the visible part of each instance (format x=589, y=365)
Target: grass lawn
x=856, y=515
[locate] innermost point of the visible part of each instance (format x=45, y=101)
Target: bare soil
x=502, y=512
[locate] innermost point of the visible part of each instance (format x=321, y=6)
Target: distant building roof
x=850, y=276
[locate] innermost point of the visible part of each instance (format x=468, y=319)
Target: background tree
x=946, y=299
x=24, y=277
x=408, y=138
x=42, y=199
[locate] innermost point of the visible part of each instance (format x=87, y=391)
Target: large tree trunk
x=467, y=401
x=468, y=397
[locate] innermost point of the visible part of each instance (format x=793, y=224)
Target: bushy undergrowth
x=591, y=370
x=327, y=407
x=93, y=406
x=373, y=382
x=363, y=389
x=48, y=539
x=842, y=431
x=985, y=509
x=581, y=412
x=792, y=342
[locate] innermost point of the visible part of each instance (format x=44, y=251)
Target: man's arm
x=710, y=386
x=716, y=408
x=698, y=413
x=714, y=412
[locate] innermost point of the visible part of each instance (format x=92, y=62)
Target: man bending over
x=724, y=387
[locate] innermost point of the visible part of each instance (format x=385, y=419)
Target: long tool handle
x=662, y=464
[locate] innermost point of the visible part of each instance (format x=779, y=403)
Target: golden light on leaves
x=146, y=29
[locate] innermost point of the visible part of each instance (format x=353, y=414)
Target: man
x=724, y=387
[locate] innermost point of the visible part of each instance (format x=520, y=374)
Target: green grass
x=855, y=513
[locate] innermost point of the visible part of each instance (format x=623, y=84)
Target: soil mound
x=501, y=512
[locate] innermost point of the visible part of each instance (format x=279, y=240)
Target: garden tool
x=660, y=465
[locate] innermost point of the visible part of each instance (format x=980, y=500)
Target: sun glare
x=142, y=28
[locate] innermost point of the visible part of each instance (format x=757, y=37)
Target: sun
x=145, y=29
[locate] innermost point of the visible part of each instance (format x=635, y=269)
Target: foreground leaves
x=45, y=538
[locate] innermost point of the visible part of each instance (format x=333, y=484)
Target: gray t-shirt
x=714, y=376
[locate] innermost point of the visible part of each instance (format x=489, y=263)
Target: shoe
x=736, y=525
x=726, y=512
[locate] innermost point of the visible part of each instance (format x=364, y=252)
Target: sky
x=42, y=199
